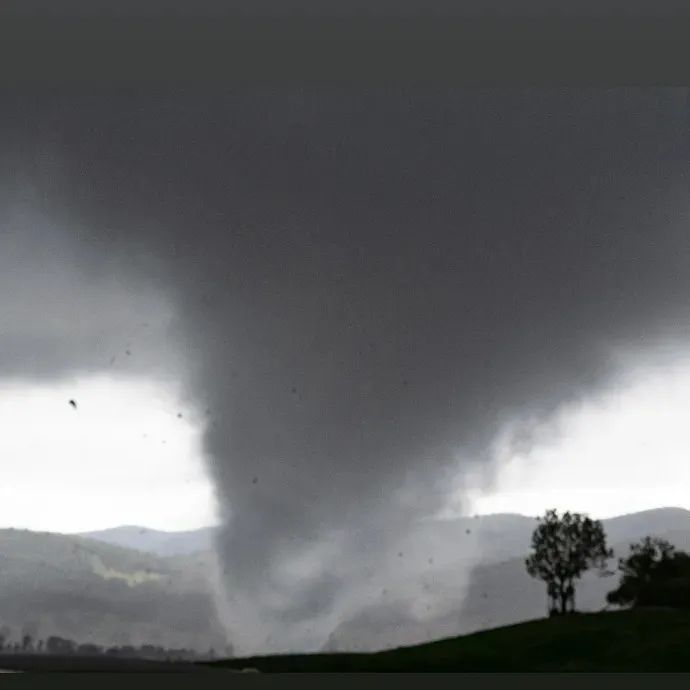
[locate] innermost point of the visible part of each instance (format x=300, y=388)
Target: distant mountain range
x=134, y=585
x=493, y=537
x=156, y=541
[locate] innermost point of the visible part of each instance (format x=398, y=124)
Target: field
x=642, y=640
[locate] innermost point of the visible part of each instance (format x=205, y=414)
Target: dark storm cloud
x=59, y=316
x=369, y=284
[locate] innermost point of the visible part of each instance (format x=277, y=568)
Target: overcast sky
x=368, y=307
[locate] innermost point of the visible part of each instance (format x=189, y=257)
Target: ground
x=634, y=640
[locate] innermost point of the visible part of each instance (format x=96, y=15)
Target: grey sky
x=363, y=286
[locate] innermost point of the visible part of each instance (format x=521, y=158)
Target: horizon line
x=432, y=518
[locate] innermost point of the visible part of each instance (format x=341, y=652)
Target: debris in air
x=255, y=480
x=179, y=415
x=128, y=353
x=73, y=404
x=467, y=531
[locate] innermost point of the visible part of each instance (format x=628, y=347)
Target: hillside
x=88, y=591
x=494, y=590
x=638, y=641
x=501, y=537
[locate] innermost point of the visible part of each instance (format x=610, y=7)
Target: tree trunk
x=570, y=591
x=554, y=598
x=563, y=595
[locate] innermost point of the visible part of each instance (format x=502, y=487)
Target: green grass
x=635, y=640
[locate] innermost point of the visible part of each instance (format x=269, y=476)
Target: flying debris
x=179, y=415
x=128, y=353
x=255, y=480
x=73, y=404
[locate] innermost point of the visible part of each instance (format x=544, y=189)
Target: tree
x=654, y=574
x=564, y=547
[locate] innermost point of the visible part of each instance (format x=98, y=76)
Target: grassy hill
x=639, y=641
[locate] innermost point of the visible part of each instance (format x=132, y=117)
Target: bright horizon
x=123, y=456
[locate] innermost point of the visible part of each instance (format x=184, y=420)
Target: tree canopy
x=564, y=547
x=653, y=574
